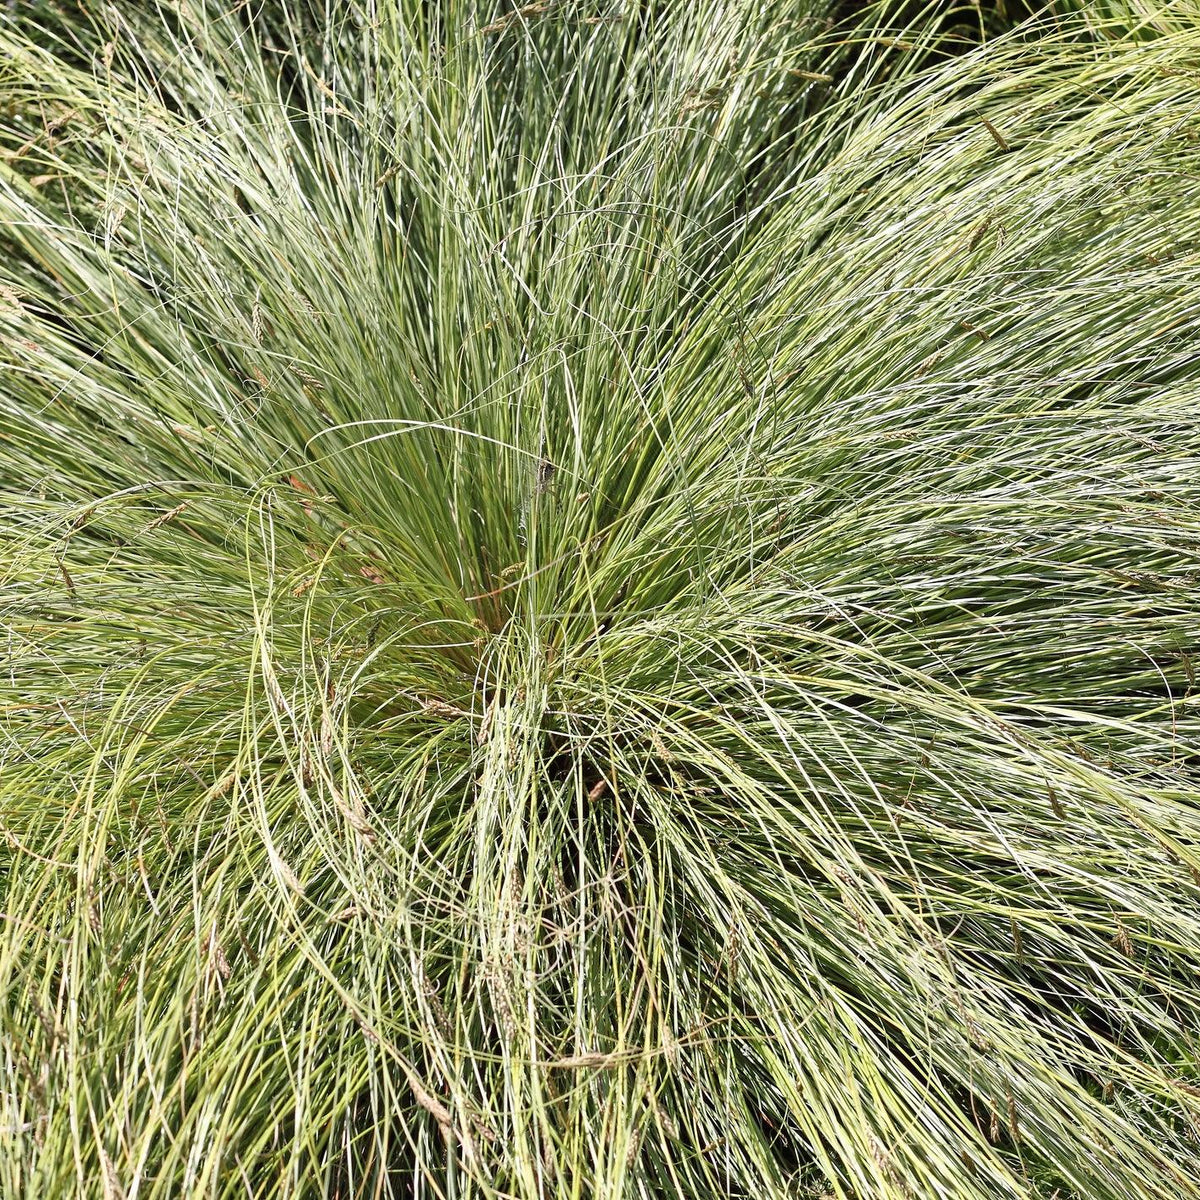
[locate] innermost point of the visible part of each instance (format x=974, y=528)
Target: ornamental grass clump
x=598, y=600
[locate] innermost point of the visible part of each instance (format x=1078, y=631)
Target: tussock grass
x=598, y=600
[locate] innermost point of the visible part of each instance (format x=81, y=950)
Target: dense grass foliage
x=599, y=600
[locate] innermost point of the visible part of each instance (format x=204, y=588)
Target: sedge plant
x=598, y=600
